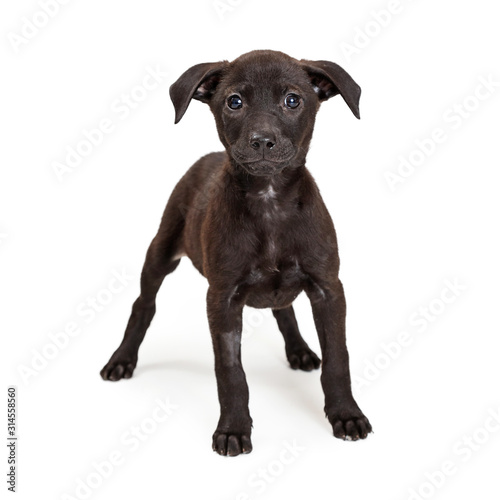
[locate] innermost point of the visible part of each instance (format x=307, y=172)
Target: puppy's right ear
x=198, y=82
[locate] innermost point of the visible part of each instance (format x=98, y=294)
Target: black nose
x=262, y=140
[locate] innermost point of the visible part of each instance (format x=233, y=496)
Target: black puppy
x=252, y=221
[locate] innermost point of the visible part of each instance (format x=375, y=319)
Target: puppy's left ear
x=329, y=79
x=198, y=82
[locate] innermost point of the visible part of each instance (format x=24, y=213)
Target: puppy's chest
x=272, y=226
x=276, y=257
x=266, y=207
x=273, y=271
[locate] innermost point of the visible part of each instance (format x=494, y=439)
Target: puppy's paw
x=118, y=367
x=231, y=444
x=303, y=359
x=350, y=426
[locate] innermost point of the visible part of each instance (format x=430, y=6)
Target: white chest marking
x=267, y=194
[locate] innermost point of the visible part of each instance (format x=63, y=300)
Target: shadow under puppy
x=252, y=221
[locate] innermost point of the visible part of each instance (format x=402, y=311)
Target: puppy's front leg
x=329, y=308
x=232, y=435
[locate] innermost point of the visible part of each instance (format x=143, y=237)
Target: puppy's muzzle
x=264, y=153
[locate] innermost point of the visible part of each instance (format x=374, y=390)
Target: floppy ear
x=329, y=79
x=198, y=82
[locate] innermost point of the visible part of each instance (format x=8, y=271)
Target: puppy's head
x=264, y=104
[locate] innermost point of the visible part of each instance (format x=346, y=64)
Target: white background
x=61, y=241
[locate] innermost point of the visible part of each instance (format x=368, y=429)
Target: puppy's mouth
x=261, y=166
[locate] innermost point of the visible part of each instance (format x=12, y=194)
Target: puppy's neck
x=280, y=186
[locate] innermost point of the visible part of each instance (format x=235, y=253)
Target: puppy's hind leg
x=161, y=259
x=298, y=353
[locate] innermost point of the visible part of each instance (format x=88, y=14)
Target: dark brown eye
x=292, y=101
x=235, y=102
